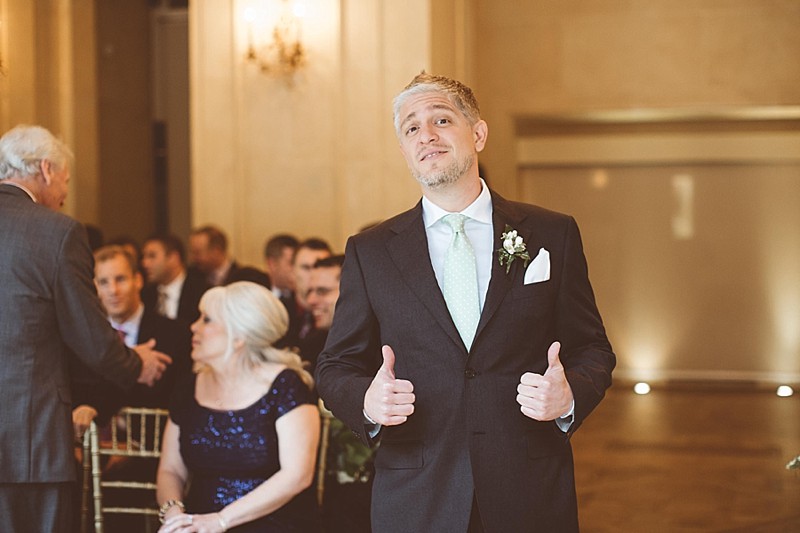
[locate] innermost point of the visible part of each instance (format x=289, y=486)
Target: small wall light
x=284, y=54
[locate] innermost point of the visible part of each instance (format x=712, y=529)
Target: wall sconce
x=285, y=53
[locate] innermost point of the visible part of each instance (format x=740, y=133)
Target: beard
x=440, y=178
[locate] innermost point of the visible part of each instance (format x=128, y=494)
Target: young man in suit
x=119, y=284
x=171, y=290
x=48, y=305
x=472, y=372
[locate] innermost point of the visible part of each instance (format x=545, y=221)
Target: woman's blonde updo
x=253, y=315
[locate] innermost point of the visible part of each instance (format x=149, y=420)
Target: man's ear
x=480, y=132
x=46, y=168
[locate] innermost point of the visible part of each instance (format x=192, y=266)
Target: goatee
x=438, y=179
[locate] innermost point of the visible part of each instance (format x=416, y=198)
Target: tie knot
x=455, y=221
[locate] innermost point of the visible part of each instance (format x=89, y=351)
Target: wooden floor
x=689, y=459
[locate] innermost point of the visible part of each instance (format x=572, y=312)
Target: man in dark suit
x=208, y=250
x=48, y=303
x=321, y=296
x=119, y=284
x=301, y=321
x=172, y=290
x=472, y=375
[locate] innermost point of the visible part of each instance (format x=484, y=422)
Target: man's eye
x=442, y=121
x=411, y=130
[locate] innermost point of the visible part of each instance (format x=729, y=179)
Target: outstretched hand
x=549, y=396
x=154, y=363
x=389, y=401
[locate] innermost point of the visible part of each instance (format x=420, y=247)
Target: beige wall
x=315, y=156
x=565, y=56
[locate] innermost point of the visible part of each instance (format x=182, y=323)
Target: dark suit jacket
x=172, y=338
x=238, y=272
x=193, y=289
x=467, y=435
x=47, y=303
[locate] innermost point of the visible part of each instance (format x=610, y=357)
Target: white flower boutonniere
x=513, y=248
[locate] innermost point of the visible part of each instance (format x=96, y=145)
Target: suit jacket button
x=470, y=373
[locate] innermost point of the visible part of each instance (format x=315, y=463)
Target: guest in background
x=323, y=291
x=130, y=244
x=308, y=253
x=208, y=251
x=240, y=446
x=48, y=305
x=278, y=262
x=171, y=290
x=118, y=283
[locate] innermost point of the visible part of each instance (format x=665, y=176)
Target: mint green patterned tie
x=460, y=285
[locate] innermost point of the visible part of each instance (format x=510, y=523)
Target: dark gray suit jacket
x=467, y=435
x=47, y=301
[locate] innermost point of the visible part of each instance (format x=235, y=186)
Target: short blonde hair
x=255, y=316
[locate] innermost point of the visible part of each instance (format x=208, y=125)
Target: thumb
x=388, y=360
x=553, y=361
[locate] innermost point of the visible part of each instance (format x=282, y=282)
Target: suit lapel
x=146, y=328
x=500, y=283
x=409, y=251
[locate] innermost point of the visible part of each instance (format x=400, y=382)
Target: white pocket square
x=539, y=269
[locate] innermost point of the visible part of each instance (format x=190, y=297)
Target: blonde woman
x=240, y=446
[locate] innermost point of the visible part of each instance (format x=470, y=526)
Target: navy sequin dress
x=230, y=453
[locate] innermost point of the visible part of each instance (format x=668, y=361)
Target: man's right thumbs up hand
x=389, y=401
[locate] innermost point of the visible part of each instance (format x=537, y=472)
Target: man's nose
x=427, y=134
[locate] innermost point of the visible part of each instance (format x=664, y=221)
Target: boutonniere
x=513, y=248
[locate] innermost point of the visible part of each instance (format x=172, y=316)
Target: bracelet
x=223, y=524
x=167, y=505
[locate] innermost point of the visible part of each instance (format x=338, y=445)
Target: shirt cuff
x=565, y=421
x=372, y=427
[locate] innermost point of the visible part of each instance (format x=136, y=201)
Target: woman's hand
x=192, y=523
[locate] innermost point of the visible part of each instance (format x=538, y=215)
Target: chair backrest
x=322, y=456
x=133, y=433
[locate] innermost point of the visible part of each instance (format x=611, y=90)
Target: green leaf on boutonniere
x=512, y=247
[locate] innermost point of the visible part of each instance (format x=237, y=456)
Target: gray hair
x=252, y=314
x=23, y=148
x=459, y=94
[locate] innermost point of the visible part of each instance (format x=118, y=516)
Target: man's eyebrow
x=409, y=117
x=413, y=114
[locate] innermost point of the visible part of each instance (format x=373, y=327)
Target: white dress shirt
x=171, y=296
x=479, y=230
x=130, y=327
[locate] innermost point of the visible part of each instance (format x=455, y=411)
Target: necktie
x=121, y=334
x=460, y=285
x=162, y=301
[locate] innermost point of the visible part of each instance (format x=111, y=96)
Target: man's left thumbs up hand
x=549, y=396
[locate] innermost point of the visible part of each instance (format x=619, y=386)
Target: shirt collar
x=24, y=188
x=479, y=210
x=132, y=324
x=173, y=288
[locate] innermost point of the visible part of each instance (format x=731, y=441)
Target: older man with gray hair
x=48, y=304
